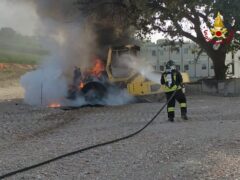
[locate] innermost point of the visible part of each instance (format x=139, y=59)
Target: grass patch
x=7, y=56
x=11, y=74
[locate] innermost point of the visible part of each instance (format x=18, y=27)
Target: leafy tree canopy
x=175, y=18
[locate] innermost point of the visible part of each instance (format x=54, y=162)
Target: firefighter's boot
x=184, y=117
x=171, y=119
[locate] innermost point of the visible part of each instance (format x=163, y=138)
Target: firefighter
x=73, y=89
x=77, y=76
x=172, y=81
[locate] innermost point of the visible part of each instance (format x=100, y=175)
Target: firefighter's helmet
x=170, y=65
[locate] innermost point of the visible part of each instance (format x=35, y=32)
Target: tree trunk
x=219, y=65
x=218, y=58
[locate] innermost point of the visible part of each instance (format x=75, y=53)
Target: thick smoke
x=140, y=65
x=71, y=41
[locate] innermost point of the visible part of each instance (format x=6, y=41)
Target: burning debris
x=91, y=84
x=70, y=75
x=71, y=41
x=54, y=105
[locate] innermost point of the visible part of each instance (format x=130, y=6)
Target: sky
x=23, y=18
x=19, y=16
x=156, y=36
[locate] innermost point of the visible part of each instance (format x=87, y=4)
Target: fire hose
x=89, y=147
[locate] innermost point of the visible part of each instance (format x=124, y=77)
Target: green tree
x=175, y=18
x=109, y=19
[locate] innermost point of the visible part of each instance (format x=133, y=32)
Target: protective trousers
x=181, y=98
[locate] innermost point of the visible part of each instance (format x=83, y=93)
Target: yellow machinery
x=120, y=73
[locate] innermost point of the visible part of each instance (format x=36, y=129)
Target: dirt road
x=8, y=93
x=9, y=80
x=205, y=147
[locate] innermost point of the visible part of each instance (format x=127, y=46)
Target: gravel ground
x=13, y=92
x=205, y=147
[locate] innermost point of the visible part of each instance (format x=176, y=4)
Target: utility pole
x=158, y=57
x=182, y=68
x=169, y=52
x=195, y=65
x=233, y=65
x=208, y=67
x=194, y=50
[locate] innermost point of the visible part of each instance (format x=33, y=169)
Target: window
x=153, y=53
x=185, y=50
x=204, y=67
x=161, y=68
x=161, y=52
x=177, y=50
x=154, y=67
x=186, y=67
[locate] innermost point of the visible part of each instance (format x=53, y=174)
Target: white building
x=185, y=56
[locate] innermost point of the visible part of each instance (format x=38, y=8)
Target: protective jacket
x=171, y=81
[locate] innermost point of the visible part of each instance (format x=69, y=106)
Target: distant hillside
x=16, y=48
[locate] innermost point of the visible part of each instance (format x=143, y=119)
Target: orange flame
x=54, y=105
x=81, y=85
x=98, y=67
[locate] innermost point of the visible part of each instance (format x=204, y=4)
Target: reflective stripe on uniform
x=183, y=105
x=171, y=109
x=173, y=88
x=175, y=77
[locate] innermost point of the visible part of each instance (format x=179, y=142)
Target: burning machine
x=115, y=76
x=119, y=72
